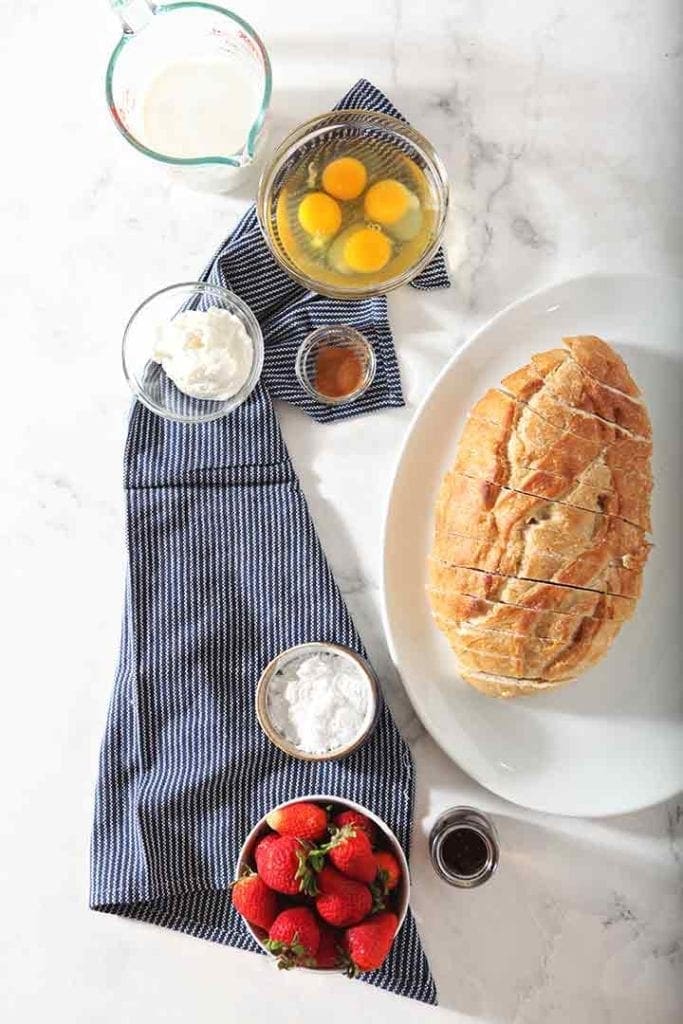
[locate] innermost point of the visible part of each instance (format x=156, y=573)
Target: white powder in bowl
x=319, y=702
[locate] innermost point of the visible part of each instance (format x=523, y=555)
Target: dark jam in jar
x=464, y=852
x=463, y=846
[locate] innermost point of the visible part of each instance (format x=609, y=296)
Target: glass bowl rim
x=194, y=161
x=308, y=129
x=313, y=339
x=252, y=326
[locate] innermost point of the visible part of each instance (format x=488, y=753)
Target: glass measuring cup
x=156, y=36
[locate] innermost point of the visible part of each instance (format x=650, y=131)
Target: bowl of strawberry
x=322, y=884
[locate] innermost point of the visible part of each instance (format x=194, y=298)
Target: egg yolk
x=367, y=251
x=319, y=214
x=387, y=201
x=345, y=178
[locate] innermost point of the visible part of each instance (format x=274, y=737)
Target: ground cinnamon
x=338, y=371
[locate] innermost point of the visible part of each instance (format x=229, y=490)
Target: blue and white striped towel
x=224, y=571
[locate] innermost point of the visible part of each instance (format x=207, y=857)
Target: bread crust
x=511, y=654
x=600, y=360
x=505, y=687
x=451, y=607
x=506, y=442
x=526, y=594
x=572, y=399
x=540, y=526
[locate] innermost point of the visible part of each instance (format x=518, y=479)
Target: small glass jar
x=463, y=847
x=335, y=364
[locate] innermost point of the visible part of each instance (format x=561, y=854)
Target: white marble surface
x=559, y=126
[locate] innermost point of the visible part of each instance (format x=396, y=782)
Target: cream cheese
x=206, y=353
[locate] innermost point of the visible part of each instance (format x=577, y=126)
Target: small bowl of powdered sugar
x=317, y=701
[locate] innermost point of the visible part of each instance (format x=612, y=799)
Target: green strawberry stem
x=305, y=872
x=316, y=859
x=379, y=891
x=291, y=954
x=347, y=965
x=246, y=872
x=337, y=837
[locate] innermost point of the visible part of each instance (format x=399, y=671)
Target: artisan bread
x=494, y=685
x=521, y=656
x=527, y=594
x=450, y=607
x=500, y=530
x=601, y=361
x=506, y=442
x=541, y=525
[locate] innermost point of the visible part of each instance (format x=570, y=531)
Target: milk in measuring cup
x=195, y=108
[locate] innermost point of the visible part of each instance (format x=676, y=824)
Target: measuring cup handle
x=133, y=14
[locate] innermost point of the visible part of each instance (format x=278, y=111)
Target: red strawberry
x=388, y=870
x=283, y=865
x=328, y=954
x=294, y=937
x=264, y=842
x=368, y=943
x=342, y=901
x=350, y=851
x=252, y=898
x=360, y=822
x=303, y=820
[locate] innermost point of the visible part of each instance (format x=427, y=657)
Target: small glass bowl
x=378, y=130
x=147, y=378
x=338, y=336
x=294, y=654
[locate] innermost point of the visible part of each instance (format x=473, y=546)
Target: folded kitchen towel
x=224, y=571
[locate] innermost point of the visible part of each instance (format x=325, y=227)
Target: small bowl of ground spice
x=335, y=364
x=318, y=701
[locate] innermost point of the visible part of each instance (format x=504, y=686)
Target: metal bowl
x=294, y=653
x=402, y=893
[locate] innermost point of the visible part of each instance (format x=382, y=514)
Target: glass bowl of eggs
x=353, y=203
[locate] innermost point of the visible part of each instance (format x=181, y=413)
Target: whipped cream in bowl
x=192, y=352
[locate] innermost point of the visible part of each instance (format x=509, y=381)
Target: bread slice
x=533, y=431
x=597, y=489
x=450, y=607
x=501, y=652
x=605, y=568
x=522, y=535
x=556, y=387
x=600, y=360
x=527, y=594
x=528, y=657
x=470, y=506
x=506, y=687
x=530, y=454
